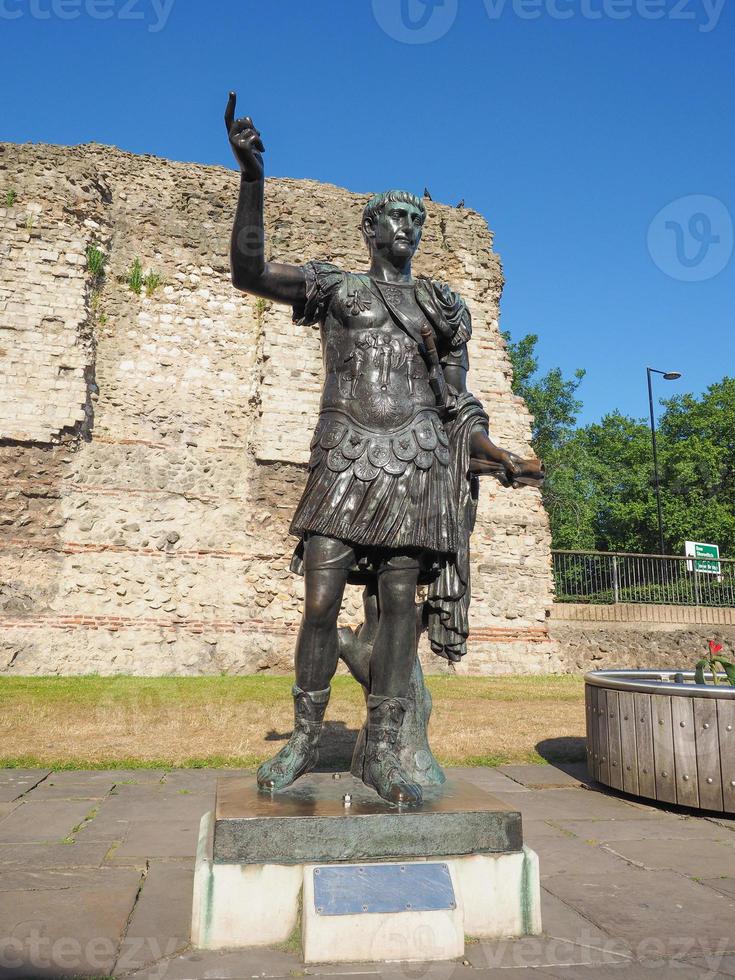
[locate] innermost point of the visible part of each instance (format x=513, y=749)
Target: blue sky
x=570, y=124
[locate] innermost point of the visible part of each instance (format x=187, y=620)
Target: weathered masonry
x=153, y=442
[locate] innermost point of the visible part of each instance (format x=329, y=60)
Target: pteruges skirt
x=392, y=490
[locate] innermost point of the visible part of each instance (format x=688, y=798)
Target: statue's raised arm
x=250, y=272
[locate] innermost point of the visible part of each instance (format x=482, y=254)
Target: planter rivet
x=729, y=728
x=706, y=726
x=664, y=774
x=732, y=783
x=710, y=780
x=628, y=768
x=645, y=772
x=683, y=724
x=625, y=717
x=660, y=721
x=685, y=778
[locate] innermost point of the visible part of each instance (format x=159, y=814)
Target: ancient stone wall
x=152, y=444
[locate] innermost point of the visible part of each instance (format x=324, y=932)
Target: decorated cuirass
x=375, y=371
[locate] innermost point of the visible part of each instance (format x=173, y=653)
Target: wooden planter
x=663, y=741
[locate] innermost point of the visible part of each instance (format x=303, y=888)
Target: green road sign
x=707, y=555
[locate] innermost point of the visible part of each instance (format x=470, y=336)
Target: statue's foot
x=296, y=758
x=384, y=773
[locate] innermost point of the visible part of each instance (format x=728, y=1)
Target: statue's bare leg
x=391, y=664
x=326, y=564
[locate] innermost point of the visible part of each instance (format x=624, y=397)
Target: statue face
x=396, y=231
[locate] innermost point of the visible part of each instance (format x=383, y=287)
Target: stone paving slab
x=569, y=804
x=726, y=886
x=656, y=825
x=126, y=880
x=491, y=780
x=44, y=821
x=695, y=858
x=547, y=777
x=638, y=907
x=15, y=782
x=160, y=924
x=68, y=932
x=55, y=855
x=150, y=839
x=87, y=785
x=572, y=855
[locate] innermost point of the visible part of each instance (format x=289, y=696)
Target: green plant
x=261, y=305
x=710, y=663
x=135, y=276
x=10, y=198
x=95, y=262
x=151, y=282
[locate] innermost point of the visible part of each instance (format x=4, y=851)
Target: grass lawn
x=127, y=722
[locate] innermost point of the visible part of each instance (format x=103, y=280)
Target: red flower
x=714, y=648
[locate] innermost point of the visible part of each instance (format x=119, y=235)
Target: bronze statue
x=391, y=493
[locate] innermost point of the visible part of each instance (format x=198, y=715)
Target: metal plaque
x=357, y=889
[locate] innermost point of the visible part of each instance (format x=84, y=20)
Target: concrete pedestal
x=259, y=857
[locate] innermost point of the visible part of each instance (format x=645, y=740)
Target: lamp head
x=672, y=375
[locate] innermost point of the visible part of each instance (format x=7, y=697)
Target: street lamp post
x=667, y=376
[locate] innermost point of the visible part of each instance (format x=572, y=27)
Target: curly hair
x=379, y=201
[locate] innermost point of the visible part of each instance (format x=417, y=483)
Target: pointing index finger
x=230, y=111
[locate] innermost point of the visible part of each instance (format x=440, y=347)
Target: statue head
x=392, y=223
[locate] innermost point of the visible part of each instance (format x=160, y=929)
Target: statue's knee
x=320, y=613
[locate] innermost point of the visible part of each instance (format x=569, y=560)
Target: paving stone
x=489, y=779
x=713, y=966
x=540, y=830
x=634, y=971
x=45, y=821
x=638, y=906
x=44, y=879
x=161, y=922
x=230, y=965
x=156, y=803
x=82, y=785
x=543, y=951
x=6, y=808
x=562, y=922
x=694, y=858
x=663, y=826
x=68, y=932
x=572, y=804
x=54, y=855
x=572, y=855
x=157, y=839
x=15, y=782
x=726, y=886
x=544, y=777
x=199, y=780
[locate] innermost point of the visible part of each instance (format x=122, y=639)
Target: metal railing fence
x=605, y=578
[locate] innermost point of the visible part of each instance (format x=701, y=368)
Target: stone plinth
x=259, y=855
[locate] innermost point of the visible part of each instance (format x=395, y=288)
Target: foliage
x=135, y=276
x=151, y=281
x=10, y=198
x=95, y=263
x=710, y=663
x=600, y=492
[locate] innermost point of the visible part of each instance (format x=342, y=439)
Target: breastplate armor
x=375, y=372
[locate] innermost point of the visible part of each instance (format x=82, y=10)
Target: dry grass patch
x=95, y=722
